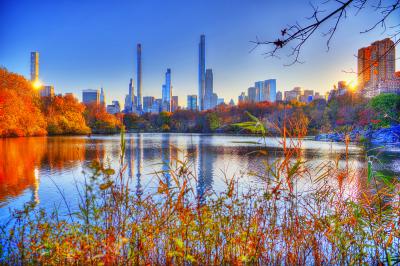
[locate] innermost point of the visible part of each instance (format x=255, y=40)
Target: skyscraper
x=202, y=71
x=147, y=103
x=34, y=66
x=91, y=96
x=139, y=78
x=130, y=98
x=252, y=94
x=259, y=85
x=47, y=91
x=174, y=103
x=242, y=98
x=279, y=96
x=376, y=63
x=208, y=96
x=167, y=92
x=102, y=97
x=270, y=86
x=192, y=102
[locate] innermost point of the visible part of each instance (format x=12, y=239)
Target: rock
x=383, y=136
x=390, y=135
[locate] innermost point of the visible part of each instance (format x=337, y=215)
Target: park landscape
x=296, y=180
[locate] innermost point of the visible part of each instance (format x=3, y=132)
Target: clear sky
x=88, y=44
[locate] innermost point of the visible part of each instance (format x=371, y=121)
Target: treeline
x=341, y=113
x=24, y=113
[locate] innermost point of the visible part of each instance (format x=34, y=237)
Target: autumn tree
x=100, y=121
x=64, y=115
x=20, y=113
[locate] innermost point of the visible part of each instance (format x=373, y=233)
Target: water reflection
x=19, y=162
x=29, y=166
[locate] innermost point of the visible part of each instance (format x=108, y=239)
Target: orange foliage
x=19, y=107
x=100, y=121
x=65, y=116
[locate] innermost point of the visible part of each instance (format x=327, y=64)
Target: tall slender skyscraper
x=139, y=77
x=209, y=91
x=167, y=92
x=202, y=71
x=34, y=66
x=102, y=97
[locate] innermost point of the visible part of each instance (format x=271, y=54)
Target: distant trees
x=100, y=121
x=20, y=113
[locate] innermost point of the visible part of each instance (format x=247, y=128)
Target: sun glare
x=352, y=85
x=37, y=84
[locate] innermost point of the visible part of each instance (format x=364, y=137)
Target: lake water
x=31, y=169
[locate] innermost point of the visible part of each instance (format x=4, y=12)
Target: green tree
x=387, y=109
x=212, y=121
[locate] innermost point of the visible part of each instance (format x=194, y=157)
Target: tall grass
x=266, y=225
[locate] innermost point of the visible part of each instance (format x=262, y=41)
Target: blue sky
x=88, y=44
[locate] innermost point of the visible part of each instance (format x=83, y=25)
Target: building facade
x=147, y=103
x=375, y=65
x=209, y=90
x=167, y=92
x=34, y=66
x=114, y=108
x=47, y=91
x=91, y=96
x=279, y=97
x=192, y=102
x=174, y=103
x=252, y=94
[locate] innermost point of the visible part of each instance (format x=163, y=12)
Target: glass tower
x=202, y=71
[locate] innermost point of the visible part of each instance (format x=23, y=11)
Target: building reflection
x=206, y=158
x=166, y=158
x=139, y=164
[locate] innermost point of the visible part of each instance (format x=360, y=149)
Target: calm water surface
x=30, y=167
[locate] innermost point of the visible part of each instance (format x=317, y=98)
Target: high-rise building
x=130, y=98
x=293, y=94
x=192, y=102
x=34, y=66
x=174, y=103
x=270, y=84
x=279, y=96
x=209, y=91
x=242, y=98
x=91, y=96
x=252, y=94
x=308, y=96
x=266, y=90
x=139, y=78
x=102, y=97
x=157, y=105
x=259, y=85
x=167, y=92
x=220, y=101
x=202, y=71
x=148, y=103
x=46, y=91
x=376, y=63
x=114, y=108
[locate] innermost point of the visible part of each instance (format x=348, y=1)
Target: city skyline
x=110, y=63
